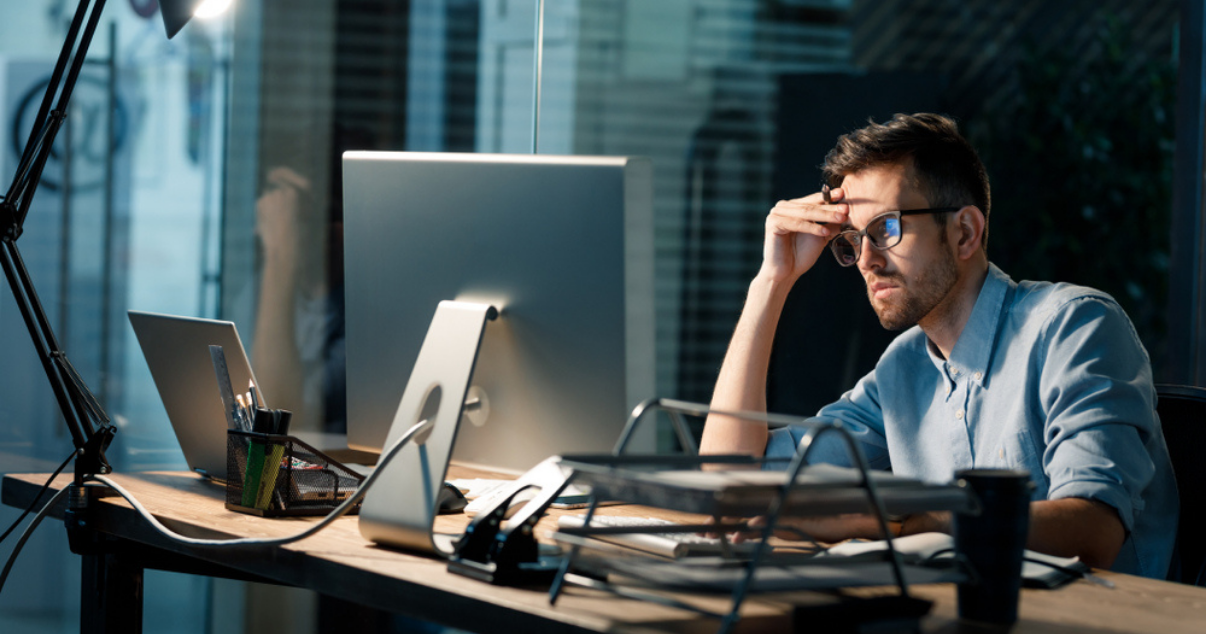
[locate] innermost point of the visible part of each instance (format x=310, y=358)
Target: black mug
x=991, y=540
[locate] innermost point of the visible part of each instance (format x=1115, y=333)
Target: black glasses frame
x=855, y=237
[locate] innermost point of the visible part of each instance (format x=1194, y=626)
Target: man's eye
x=891, y=228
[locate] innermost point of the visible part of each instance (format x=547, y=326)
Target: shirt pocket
x=1019, y=450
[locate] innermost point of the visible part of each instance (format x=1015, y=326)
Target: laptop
x=177, y=352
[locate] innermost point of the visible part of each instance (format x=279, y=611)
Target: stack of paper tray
x=817, y=490
x=720, y=575
x=726, y=487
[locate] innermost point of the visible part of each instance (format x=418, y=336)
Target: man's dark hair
x=942, y=164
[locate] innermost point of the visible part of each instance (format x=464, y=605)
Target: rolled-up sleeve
x=1096, y=394
x=858, y=412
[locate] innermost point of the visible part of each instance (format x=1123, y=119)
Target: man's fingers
x=753, y=530
x=811, y=211
x=286, y=177
x=786, y=221
x=723, y=520
x=835, y=195
x=810, y=214
x=710, y=534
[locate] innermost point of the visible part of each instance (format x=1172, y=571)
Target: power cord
x=335, y=514
x=1072, y=573
x=37, y=497
x=12, y=558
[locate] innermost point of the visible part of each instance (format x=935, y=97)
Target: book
x=1038, y=570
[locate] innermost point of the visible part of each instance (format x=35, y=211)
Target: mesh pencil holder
x=272, y=475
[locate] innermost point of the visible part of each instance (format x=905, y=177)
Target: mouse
x=451, y=500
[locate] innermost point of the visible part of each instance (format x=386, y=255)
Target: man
x=989, y=373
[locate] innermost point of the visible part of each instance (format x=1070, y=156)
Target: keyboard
x=671, y=545
x=486, y=494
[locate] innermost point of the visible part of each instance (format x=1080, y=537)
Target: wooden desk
x=340, y=563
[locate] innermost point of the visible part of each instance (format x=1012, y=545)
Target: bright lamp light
x=211, y=8
x=178, y=12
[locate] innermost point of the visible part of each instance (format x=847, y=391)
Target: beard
x=919, y=298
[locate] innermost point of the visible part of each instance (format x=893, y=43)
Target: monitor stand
x=401, y=507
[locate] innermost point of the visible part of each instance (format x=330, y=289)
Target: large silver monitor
x=562, y=245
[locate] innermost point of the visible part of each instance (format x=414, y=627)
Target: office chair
x=1182, y=412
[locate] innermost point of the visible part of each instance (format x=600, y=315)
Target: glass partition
x=214, y=187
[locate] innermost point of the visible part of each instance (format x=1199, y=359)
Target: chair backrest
x=1182, y=412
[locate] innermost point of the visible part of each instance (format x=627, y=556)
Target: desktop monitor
x=561, y=245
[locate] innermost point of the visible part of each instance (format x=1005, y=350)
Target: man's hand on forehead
x=798, y=230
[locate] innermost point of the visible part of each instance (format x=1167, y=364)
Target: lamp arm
x=46, y=124
x=42, y=122
x=78, y=405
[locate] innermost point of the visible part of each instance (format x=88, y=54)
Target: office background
x=164, y=206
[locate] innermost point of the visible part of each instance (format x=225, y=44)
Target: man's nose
x=869, y=258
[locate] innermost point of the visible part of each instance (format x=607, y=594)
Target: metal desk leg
x=110, y=595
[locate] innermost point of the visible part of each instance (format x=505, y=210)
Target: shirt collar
x=973, y=350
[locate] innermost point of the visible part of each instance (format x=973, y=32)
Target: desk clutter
x=405, y=582
x=652, y=559
x=270, y=473
x=725, y=487
x=273, y=475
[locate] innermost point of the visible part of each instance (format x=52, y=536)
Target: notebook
x=177, y=352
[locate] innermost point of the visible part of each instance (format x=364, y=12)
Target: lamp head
x=177, y=13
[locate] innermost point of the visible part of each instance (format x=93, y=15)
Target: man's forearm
x=741, y=385
x=1076, y=527
x=274, y=349
x=1069, y=527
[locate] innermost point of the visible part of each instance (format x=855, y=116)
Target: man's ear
x=969, y=228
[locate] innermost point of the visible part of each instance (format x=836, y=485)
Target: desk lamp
x=91, y=432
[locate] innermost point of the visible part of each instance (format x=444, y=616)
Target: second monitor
x=562, y=245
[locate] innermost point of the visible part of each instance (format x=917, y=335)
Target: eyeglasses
x=883, y=231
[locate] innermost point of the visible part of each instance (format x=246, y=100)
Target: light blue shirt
x=1050, y=378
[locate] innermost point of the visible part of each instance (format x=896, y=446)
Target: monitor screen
x=561, y=245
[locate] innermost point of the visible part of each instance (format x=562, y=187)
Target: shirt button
x=959, y=414
x=979, y=375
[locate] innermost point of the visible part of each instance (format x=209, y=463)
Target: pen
x=236, y=415
x=827, y=198
x=241, y=413
x=255, y=395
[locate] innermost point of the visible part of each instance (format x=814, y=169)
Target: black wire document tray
x=817, y=490
x=734, y=486
x=721, y=575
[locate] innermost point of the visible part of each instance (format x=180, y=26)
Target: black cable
x=934, y=555
x=336, y=513
x=1071, y=572
x=12, y=557
x=38, y=497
